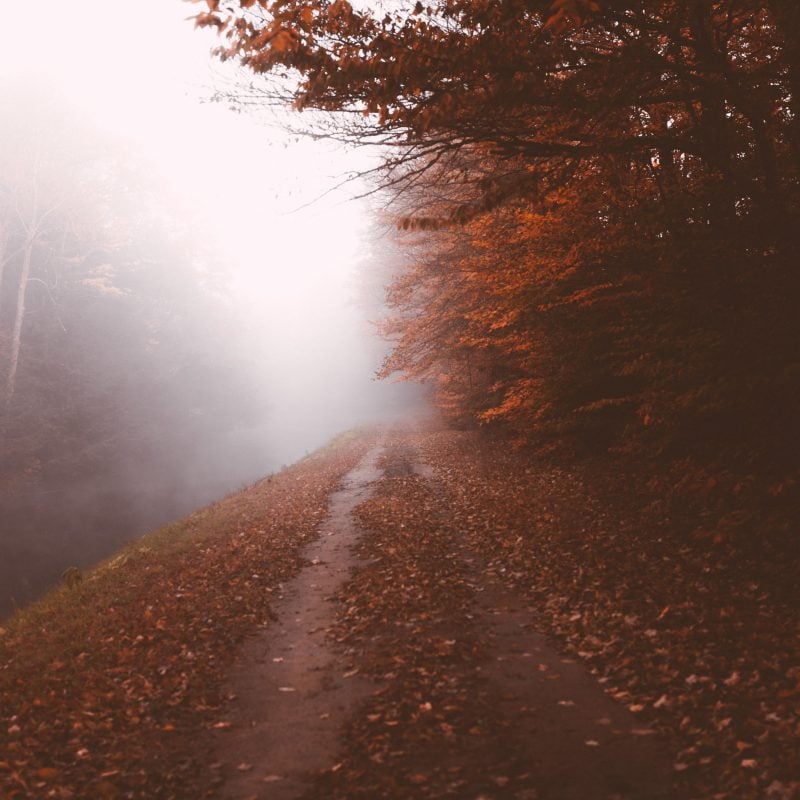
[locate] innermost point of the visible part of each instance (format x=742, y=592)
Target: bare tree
x=41, y=196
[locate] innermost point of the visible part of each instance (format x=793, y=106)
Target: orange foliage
x=604, y=207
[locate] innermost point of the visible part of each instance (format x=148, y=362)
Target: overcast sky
x=139, y=69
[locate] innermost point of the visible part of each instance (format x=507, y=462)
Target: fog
x=186, y=299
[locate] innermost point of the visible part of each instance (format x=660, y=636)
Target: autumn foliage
x=600, y=203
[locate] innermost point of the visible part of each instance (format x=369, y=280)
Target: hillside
x=503, y=627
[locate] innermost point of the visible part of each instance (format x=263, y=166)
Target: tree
x=706, y=83
x=601, y=205
x=43, y=175
x=128, y=399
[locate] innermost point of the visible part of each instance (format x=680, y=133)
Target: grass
x=105, y=582
x=126, y=667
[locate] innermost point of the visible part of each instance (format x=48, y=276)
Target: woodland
x=598, y=207
x=116, y=351
x=595, y=207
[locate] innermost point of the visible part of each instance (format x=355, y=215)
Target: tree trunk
x=3, y=256
x=714, y=127
x=19, y=318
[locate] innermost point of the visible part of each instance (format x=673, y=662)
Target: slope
x=414, y=613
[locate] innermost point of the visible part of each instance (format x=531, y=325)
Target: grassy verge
x=103, y=686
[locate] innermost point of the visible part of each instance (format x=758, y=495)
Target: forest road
x=291, y=687
x=399, y=667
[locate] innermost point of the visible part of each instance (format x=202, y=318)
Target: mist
x=187, y=301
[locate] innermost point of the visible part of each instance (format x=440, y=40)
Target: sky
x=141, y=71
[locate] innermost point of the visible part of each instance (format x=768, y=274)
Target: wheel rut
x=291, y=687
x=406, y=667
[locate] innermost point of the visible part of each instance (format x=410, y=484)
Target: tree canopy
x=692, y=88
x=601, y=206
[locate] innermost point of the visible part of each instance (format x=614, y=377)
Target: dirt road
x=399, y=666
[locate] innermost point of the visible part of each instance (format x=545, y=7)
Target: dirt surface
x=424, y=678
x=579, y=743
x=291, y=686
x=445, y=618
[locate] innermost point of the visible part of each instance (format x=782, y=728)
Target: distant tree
x=125, y=400
x=4, y=254
x=43, y=175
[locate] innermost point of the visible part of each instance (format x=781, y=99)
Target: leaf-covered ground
x=103, y=688
x=445, y=721
x=694, y=638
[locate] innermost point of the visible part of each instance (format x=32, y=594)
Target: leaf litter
x=103, y=689
x=694, y=643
